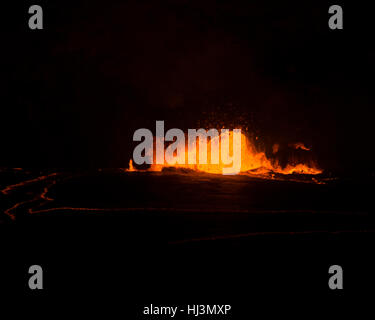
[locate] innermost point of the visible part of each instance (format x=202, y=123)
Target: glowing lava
x=253, y=162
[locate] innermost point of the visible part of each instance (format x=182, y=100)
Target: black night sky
x=73, y=94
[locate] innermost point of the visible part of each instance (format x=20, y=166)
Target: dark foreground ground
x=115, y=242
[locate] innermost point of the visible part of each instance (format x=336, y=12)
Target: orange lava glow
x=253, y=162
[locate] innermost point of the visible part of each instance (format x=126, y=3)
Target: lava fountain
x=253, y=161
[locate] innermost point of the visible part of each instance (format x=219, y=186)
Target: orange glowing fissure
x=253, y=162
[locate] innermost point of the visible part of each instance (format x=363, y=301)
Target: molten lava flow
x=253, y=162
